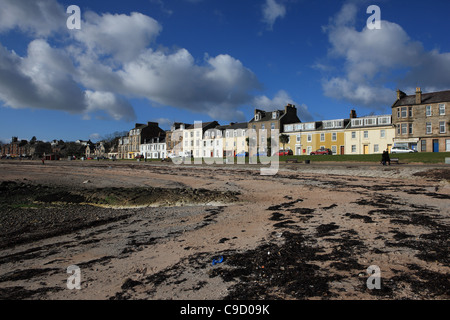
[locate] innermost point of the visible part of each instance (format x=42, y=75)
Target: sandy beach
x=160, y=231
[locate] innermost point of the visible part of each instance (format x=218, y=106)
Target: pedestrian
x=384, y=158
x=43, y=160
x=388, y=159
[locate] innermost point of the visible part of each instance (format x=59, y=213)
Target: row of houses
x=420, y=122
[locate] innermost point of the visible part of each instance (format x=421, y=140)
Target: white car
x=402, y=150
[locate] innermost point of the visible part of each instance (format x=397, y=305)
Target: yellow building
x=305, y=138
x=369, y=135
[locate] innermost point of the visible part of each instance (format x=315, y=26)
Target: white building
x=155, y=148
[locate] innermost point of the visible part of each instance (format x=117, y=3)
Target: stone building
x=422, y=121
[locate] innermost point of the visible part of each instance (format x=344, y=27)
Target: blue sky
x=202, y=60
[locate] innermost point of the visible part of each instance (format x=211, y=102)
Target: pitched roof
x=233, y=126
x=204, y=125
x=427, y=98
x=267, y=115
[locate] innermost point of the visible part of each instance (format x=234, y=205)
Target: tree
x=284, y=138
x=41, y=148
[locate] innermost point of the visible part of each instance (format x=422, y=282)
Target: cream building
x=369, y=135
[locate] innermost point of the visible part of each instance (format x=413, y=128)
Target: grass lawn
x=419, y=157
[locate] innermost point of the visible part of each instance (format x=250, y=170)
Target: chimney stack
x=353, y=114
x=418, y=96
x=400, y=94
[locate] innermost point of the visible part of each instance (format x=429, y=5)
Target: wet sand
x=151, y=231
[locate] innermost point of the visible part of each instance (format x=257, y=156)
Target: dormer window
x=274, y=115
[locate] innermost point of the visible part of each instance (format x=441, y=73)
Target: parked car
x=402, y=150
x=285, y=153
x=242, y=154
x=141, y=156
x=321, y=152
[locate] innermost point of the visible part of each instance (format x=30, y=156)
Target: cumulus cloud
x=122, y=36
x=280, y=100
x=113, y=59
x=272, y=11
x=42, y=79
x=373, y=59
x=37, y=17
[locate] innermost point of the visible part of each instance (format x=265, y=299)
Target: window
x=404, y=112
x=423, y=145
x=298, y=138
x=370, y=121
x=410, y=131
x=442, y=109
x=298, y=127
x=398, y=112
x=384, y=120
x=353, y=135
x=376, y=148
x=308, y=150
x=442, y=127
x=398, y=129
x=309, y=138
x=410, y=112
x=310, y=126
x=366, y=134
x=353, y=148
x=288, y=128
x=263, y=126
x=428, y=111
x=322, y=137
x=357, y=122
x=272, y=126
x=334, y=136
x=334, y=149
x=404, y=128
x=382, y=133
x=429, y=128
x=274, y=115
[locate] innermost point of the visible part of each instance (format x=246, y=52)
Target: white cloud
x=272, y=11
x=111, y=59
x=373, y=59
x=116, y=107
x=279, y=101
x=37, y=17
x=95, y=137
x=122, y=36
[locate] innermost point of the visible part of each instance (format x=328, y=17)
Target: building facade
x=174, y=138
x=307, y=137
x=129, y=146
x=155, y=148
x=422, y=121
x=194, y=144
x=369, y=135
x=264, y=122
